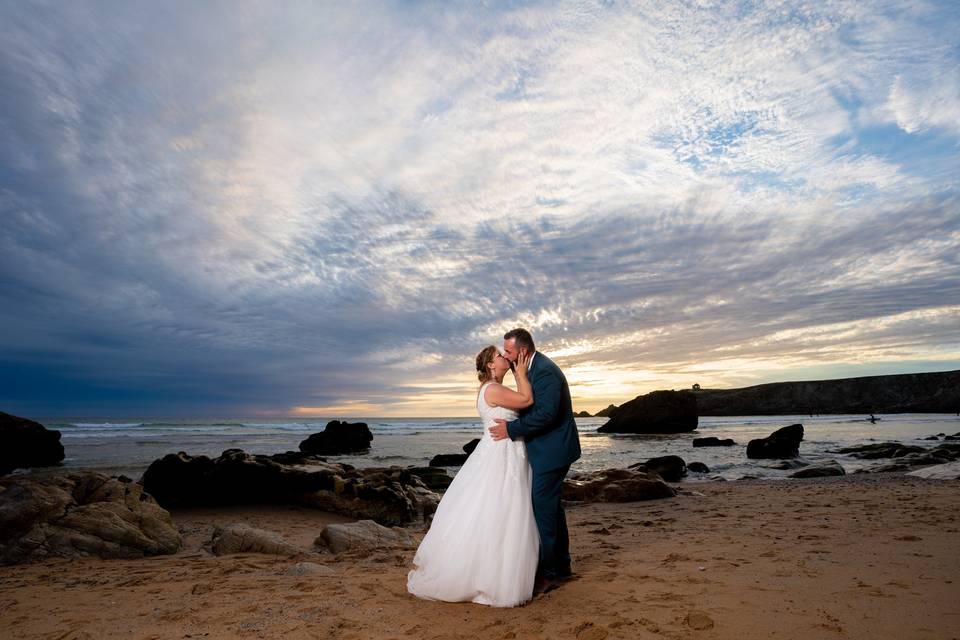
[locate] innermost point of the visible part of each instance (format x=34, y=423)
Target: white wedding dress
x=483, y=544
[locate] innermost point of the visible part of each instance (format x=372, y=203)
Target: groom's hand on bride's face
x=499, y=430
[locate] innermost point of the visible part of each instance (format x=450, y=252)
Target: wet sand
x=851, y=557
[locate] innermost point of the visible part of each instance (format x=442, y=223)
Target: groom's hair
x=521, y=337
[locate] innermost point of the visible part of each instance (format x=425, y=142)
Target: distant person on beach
x=550, y=432
x=482, y=544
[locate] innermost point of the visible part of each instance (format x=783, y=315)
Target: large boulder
x=436, y=478
x=670, y=468
x=615, y=485
x=713, y=441
x=81, y=513
x=391, y=495
x=448, y=460
x=470, y=446
x=782, y=443
x=239, y=537
x=655, y=412
x=820, y=470
x=339, y=438
x=25, y=443
x=365, y=534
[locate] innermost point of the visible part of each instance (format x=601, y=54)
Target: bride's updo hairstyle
x=484, y=358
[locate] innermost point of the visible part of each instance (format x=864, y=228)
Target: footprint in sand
x=698, y=620
x=589, y=631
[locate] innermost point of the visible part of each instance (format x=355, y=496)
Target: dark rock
x=25, y=443
x=655, y=412
x=794, y=463
x=698, y=467
x=81, y=513
x=616, y=485
x=782, y=443
x=582, y=414
x=390, y=495
x=454, y=459
x=339, y=438
x=435, y=478
x=955, y=436
x=296, y=457
x=448, y=460
x=713, y=442
x=670, y=468
x=930, y=438
x=606, y=413
x=365, y=534
x=820, y=470
x=238, y=537
x=890, y=467
x=880, y=450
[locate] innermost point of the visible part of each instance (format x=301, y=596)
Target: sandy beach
x=849, y=557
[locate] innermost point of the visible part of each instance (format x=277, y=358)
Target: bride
x=483, y=543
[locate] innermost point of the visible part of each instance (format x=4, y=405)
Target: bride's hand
x=523, y=361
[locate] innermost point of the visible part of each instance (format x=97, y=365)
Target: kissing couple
x=499, y=535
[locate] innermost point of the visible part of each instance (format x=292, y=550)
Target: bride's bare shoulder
x=491, y=391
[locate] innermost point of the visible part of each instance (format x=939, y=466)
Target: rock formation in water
x=25, y=443
x=339, y=438
x=655, y=412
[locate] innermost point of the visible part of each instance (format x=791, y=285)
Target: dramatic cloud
x=249, y=208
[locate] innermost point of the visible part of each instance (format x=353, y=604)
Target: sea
x=128, y=446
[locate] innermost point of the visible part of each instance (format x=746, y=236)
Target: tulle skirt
x=483, y=544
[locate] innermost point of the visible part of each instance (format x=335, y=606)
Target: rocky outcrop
x=820, y=470
x=80, y=513
x=670, y=468
x=366, y=534
x=615, y=485
x=905, y=393
x=238, y=537
x=448, y=460
x=782, y=443
x=436, y=478
x=391, y=495
x=698, y=467
x=713, y=441
x=881, y=450
x=339, y=438
x=606, y=413
x=25, y=443
x=582, y=414
x=784, y=465
x=906, y=456
x=655, y=412
x=454, y=459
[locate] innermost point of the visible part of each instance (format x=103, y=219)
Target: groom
x=552, y=445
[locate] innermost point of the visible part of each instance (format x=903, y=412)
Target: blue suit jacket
x=548, y=426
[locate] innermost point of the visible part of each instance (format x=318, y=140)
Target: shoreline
x=851, y=556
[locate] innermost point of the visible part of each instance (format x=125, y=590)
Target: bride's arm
x=497, y=395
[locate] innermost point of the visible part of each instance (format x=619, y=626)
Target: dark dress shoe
x=544, y=584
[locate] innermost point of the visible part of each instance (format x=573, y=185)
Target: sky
x=327, y=209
